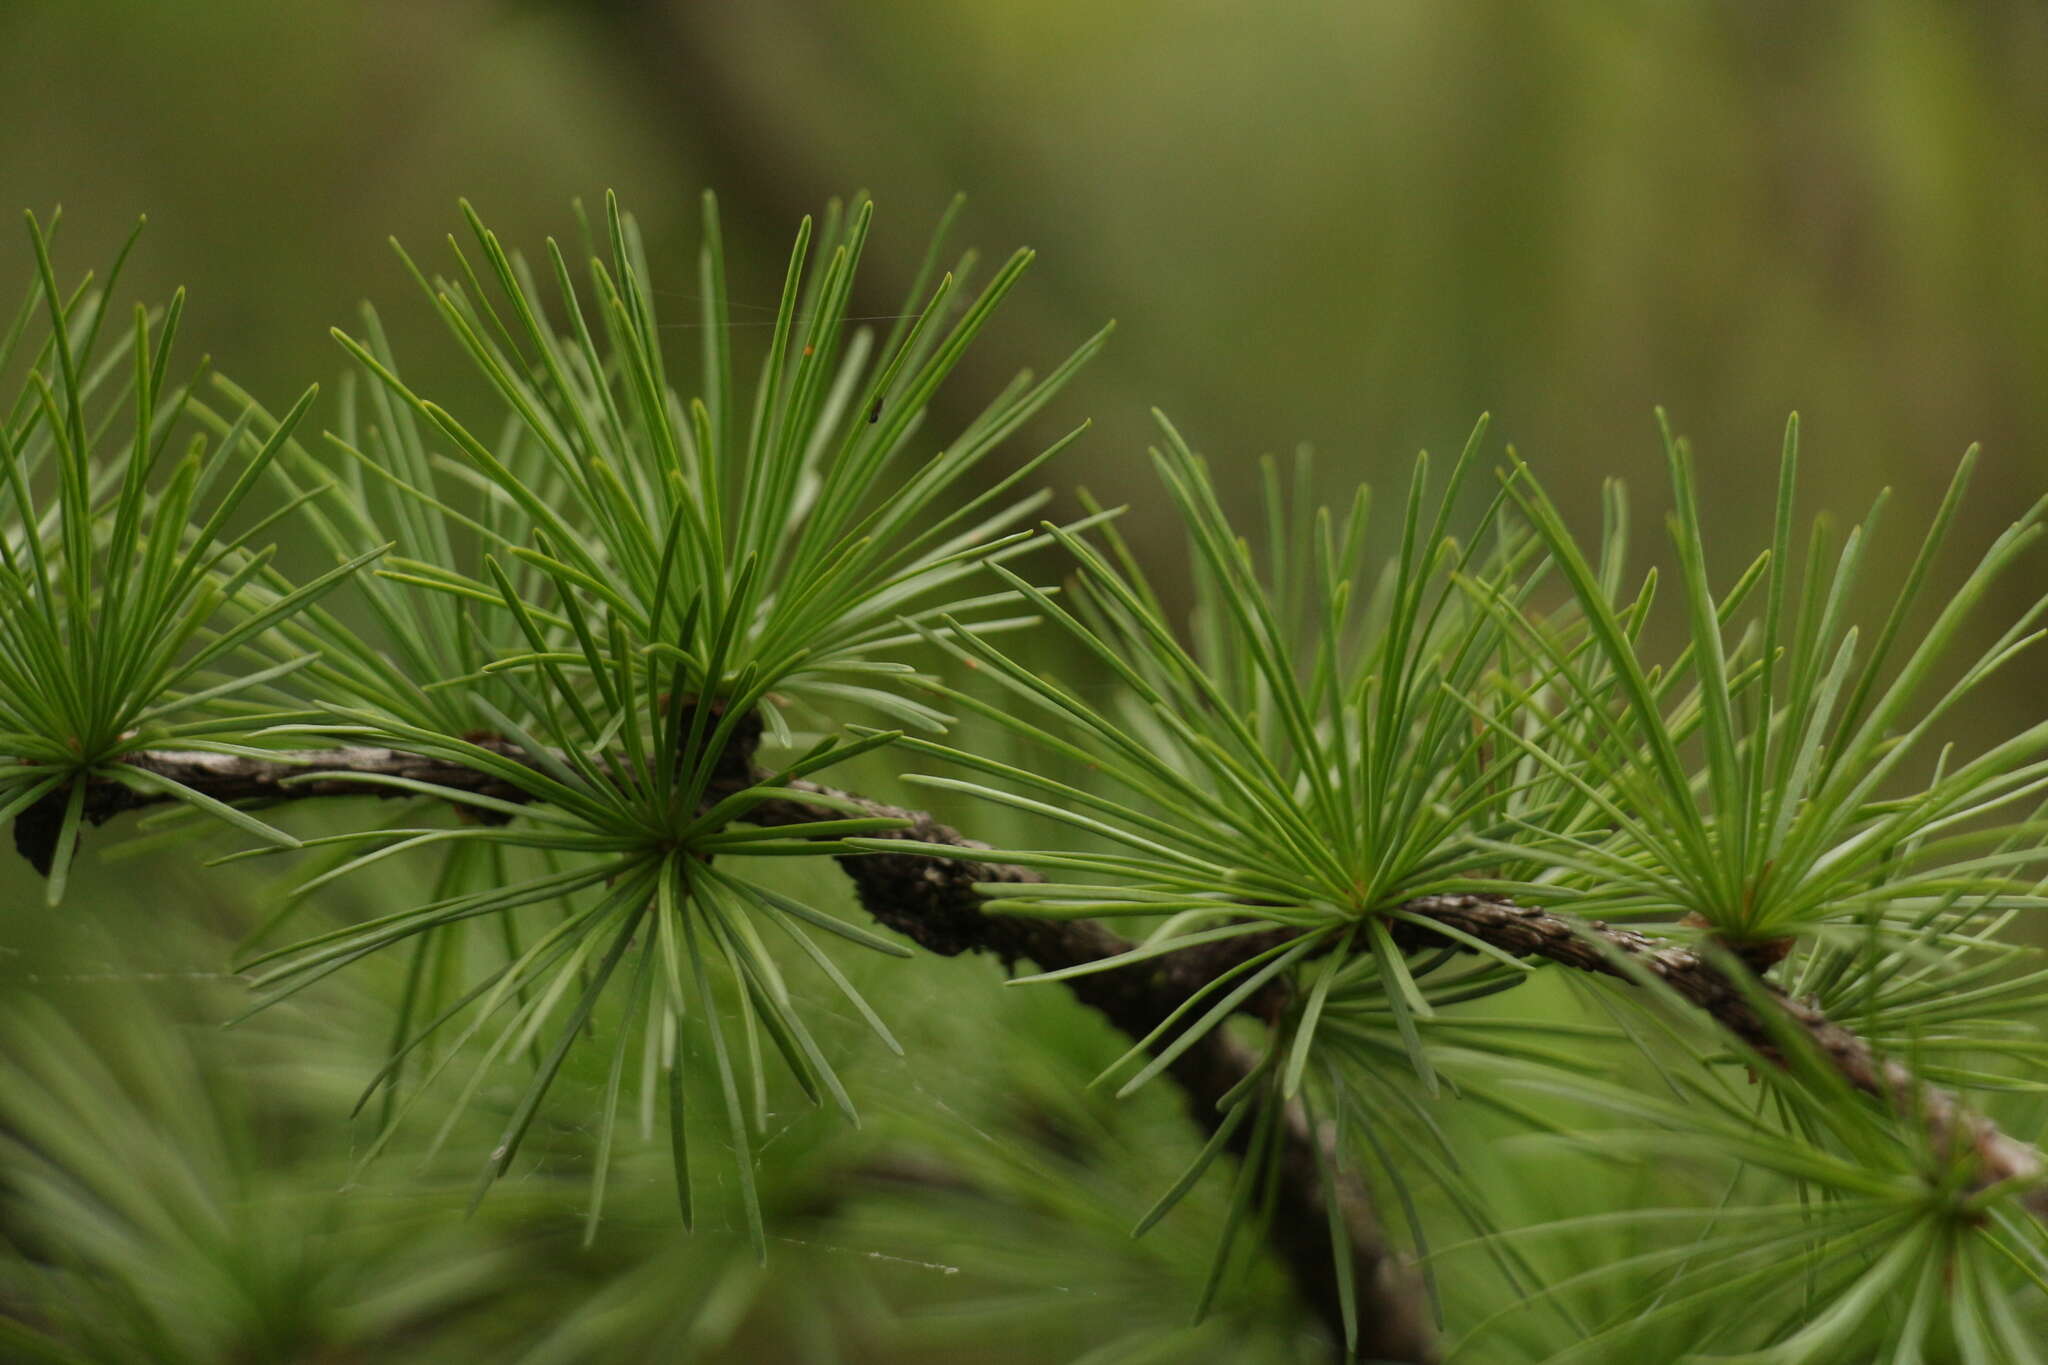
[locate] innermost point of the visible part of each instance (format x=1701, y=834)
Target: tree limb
x=1592, y=946
x=933, y=901
x=234, y=777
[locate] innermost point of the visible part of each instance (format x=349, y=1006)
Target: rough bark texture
x=1592, y=946
x=933, y=902
x=231, y=777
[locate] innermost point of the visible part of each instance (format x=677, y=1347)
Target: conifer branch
x=238, y=777
x=934, y=902
x=931, y=901
x=910, y=894
x=1592, y=946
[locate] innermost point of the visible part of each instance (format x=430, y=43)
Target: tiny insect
x=875, y=411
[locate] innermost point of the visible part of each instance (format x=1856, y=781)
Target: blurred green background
x=1356, y=224
x=1353, y=224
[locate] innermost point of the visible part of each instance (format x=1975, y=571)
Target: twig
x=933, y=901
x=234, y=777
x=1592, y=946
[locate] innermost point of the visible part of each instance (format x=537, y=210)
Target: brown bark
x=934, y=902
x=931, y=901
